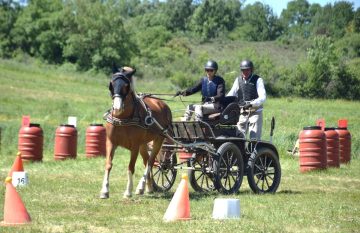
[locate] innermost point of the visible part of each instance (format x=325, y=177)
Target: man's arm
x=261, y=93
x=193, y=89
x=220, y=92
x=234, y=89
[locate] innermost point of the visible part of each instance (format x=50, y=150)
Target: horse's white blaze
x=129, y=186
x=117, y=103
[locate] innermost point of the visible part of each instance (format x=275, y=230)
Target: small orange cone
x=179, y=207
x=17, y=166
x=15, y=212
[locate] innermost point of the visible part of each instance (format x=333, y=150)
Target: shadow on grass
x=289, y=192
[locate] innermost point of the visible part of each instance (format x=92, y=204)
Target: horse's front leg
x=110, y=149
x=131, y=170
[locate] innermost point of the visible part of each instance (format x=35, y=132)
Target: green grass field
x=63, y=196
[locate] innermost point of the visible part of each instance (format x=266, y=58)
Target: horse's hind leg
x=157, y=143
x=110, y=149
x=145, y=156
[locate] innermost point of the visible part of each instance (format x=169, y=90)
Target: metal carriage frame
x=216, y=159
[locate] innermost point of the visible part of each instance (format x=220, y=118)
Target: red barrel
x=31, y=141
x=65, y=142
x=95, y=140
x=183, y=155
x=345, y=144
x=332, y=147
x=312, y=149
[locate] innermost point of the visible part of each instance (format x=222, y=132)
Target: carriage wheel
x=229, y=168
x=202, y=178
x=163, y=171
x=264, y=172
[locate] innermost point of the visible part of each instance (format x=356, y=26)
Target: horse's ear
x=128, y=71
x=114, y=68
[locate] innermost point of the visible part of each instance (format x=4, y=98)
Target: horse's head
x=120, y=86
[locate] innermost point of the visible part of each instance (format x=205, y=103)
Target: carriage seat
x=229, y=115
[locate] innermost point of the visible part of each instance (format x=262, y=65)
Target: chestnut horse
x=132, y=123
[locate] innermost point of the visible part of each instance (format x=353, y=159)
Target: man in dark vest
x=212, y=88
x=250, y=90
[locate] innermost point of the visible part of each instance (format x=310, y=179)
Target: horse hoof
x=104, y=195
x=139, y=192
x=149, y=190
x=127, y=195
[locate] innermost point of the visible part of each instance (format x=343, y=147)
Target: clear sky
x=279, y=5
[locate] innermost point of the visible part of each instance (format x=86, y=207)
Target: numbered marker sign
x=20, y=179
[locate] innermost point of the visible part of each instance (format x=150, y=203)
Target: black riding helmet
x=246, y=64
x=211, y=65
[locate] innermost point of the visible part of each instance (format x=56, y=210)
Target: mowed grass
x=63, y=196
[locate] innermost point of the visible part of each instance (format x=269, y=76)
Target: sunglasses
x=244, y=70
x=208, y=70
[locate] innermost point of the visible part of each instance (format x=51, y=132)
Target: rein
x=154, y=95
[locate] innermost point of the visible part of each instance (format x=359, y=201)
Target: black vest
x=247, y=91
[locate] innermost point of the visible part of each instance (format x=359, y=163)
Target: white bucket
x=226, y=208
x=20, y=179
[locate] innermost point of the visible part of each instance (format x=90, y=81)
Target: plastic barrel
x=312, y=149
x=95, y=141
x=65, y=142
x=183, y=155
x=344, y=144
x=31, y=141
x=332, y=147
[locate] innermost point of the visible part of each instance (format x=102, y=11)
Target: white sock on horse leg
x=129, y=186
x=141, y=186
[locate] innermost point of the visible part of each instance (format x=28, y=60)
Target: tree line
x=94, y=35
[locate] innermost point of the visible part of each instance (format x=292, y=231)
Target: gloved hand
x=247, y=106
x=179, y=93
x=207, y=99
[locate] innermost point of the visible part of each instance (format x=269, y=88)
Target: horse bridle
x=136, y=99
x=123, y=77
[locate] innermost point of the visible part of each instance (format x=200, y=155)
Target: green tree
x=258, y=23
x=333, y=20
x=323, y=74
x=296, y=18
x=38, y=30
x=97, y=37
x=213, y=17
x=9, y=12
x=178, y=13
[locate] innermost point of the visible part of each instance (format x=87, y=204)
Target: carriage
x=215, y=157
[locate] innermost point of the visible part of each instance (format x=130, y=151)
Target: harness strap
x=123, y=122
x=136, y=119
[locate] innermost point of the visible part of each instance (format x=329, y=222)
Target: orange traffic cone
x=17, y=166
x=179, y=207
x=15, y=212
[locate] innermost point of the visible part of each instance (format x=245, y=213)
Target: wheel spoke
x=234, y=179
x=257, y=166
x=261, y=161
x=257, y=174
x=167, y=178
x=202, y=179
x=207, y=183
x=156, y=172
x=267, y=183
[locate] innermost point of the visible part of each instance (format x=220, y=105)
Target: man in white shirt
x=250, y=90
